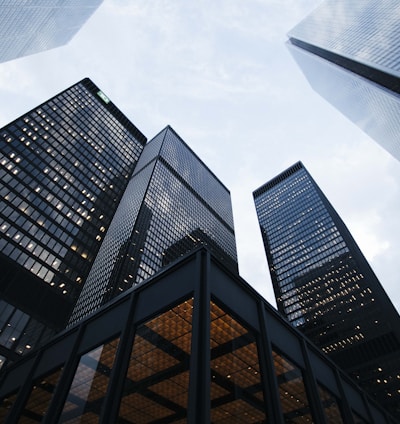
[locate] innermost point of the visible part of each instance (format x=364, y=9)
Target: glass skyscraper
x=173, y=203
x=64, y=168
x=28, y=27
x=324, y=285
x=349, y=51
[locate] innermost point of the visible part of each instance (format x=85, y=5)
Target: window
x=6, y=405
x=292, y=392
x=330, y=406
x=40, y=396
x=90, y=383
x=236, y=389
x=157, y=381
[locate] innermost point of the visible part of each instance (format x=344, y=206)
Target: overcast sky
x=219, y=73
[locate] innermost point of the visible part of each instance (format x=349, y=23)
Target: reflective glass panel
x=157, y=381
x=236, y=388
x=40, y=397
x=2, y=361
x=357, y=419
x=292, y=392
x=330, y=406
x=6, y=406
x=89, y=387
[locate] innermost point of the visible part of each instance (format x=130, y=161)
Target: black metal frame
x=199, y=276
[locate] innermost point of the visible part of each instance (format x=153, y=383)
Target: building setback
x=325, y=287
x=349, y=51
x=64, y=167
x=173, y=203
x=28, y=27
x=193, y=344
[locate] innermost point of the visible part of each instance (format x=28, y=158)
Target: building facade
x=64, y=167
x=173, y=203
x=31, y=27
x=324, y=285
x=349, y=52
x=193, y=344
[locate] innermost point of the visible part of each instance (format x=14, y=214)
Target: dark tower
x=324, y=285
x=64, y=167
x=173, y=203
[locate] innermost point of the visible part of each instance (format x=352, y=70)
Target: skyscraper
x=173, y=202
x=349, y=51
x=64, y=167
x=28, y=27
x=324, y=285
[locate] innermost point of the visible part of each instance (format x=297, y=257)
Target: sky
x=220, y=74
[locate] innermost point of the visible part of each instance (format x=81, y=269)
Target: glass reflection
x=157, y=381
x=88, y=389
x=330, y=406
x=40, y=397
x=292, y=392
x=236, y=389
x=6, y=405
x=357, y=419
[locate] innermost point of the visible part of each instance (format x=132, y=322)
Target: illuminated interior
x=40, y=397
x=236, y=389
x=6, y=405
x=292, y=391
x=89, y=385
x=170, y=352
x=157, y=381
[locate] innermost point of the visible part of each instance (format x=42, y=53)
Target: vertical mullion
x=200, y=374
x=23, y=393
x=270, y=383
x=112, y=400
x=63, y=385
x=345, y=407
x=367, y=406
x=311, y=386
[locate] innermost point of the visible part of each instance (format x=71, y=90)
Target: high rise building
x=193, y=344
x=324, y=285
x=64, y=168
x=28, y=27
x=173, y=202
x=349, y=51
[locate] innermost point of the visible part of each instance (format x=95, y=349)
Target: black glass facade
x=173, y=203
x=324, y=285
x=64, y=168
x=193, y=344
x=349, y=52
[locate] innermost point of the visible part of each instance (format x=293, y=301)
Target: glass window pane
x=357, y=419
x=89, y=386
x=292, y=392
x=330, y=406
x=6, y=405
x=40, y=397
x=2, y=361
x=157, y=381
x=236, y=388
